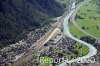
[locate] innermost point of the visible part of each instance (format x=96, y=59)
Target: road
x=39, y=44
x=92, y=49
x=73, y=21
x=51, y=33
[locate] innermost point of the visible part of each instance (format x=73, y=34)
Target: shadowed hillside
x=17, y=17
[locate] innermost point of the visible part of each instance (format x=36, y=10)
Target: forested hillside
x=19, y=16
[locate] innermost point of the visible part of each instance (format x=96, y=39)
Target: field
x=88, y=18
x=76, y=32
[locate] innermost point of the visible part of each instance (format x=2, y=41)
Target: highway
x=39, y=44
x=92, y=49
x=51, y=33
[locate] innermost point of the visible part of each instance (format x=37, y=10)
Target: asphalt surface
x=39, y=44
x=51, y=33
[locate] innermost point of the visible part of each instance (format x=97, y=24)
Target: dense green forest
x=17, y=17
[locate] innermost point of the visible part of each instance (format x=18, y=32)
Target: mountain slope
x=19, y=16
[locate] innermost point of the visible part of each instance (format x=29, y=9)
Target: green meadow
x=76, y=32
x=90, y=19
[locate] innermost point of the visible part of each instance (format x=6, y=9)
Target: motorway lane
x=53, y=33
x=39, y=44
x=42, y=41
x=92, y=49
